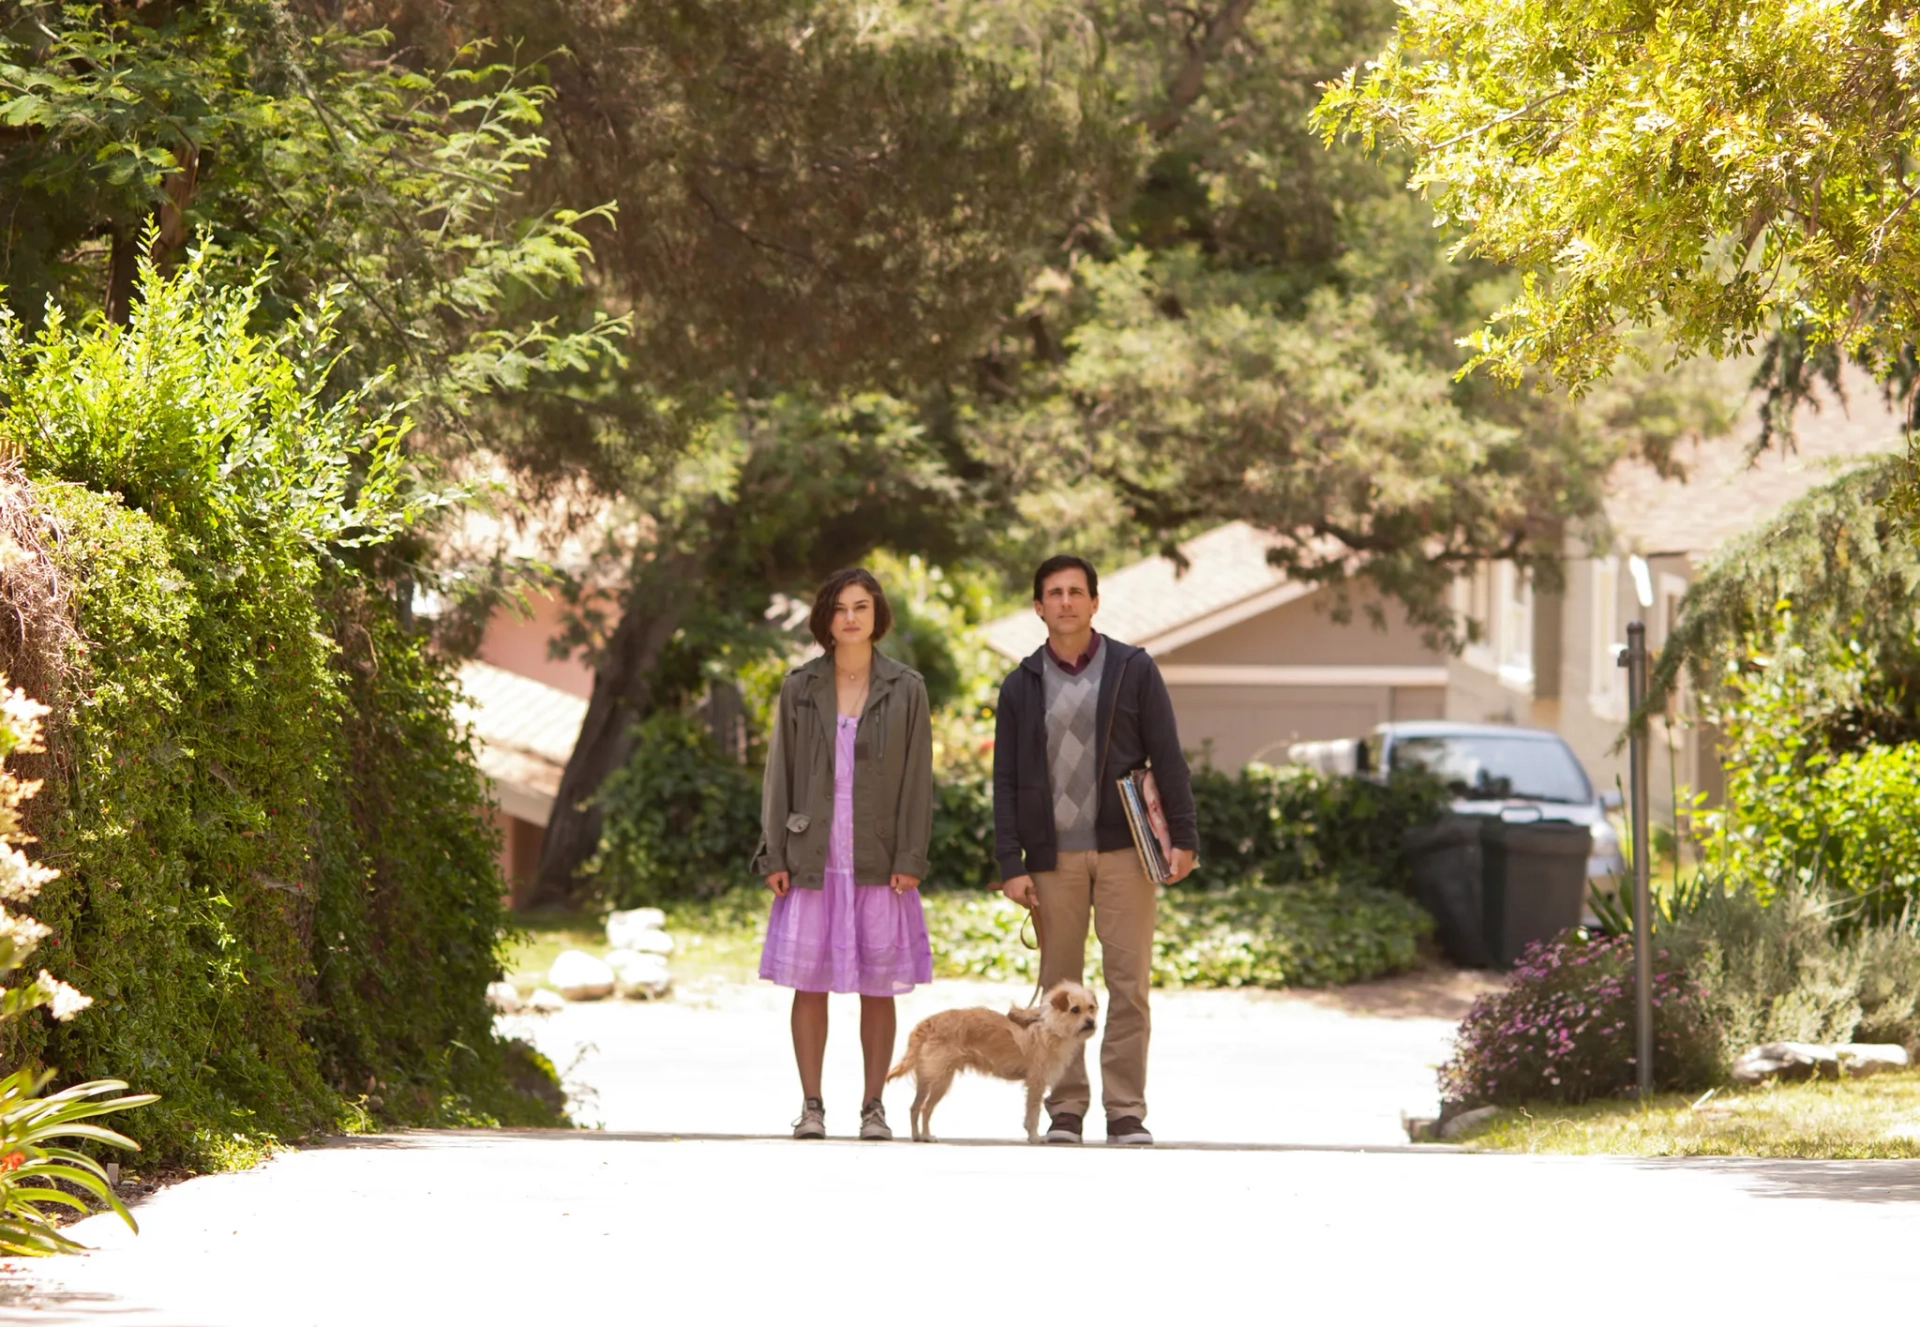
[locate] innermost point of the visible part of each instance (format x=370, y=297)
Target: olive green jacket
x=892, y=777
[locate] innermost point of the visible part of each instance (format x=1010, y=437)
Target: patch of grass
x=1855, y=1120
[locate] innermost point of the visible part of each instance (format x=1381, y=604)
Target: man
x=1075, y=717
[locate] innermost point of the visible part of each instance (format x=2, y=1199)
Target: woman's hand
x=780, y=882
x=900, y=884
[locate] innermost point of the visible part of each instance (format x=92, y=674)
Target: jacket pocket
x=797, y=822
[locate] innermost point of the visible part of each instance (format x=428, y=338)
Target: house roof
x=527, y=731
x=1153, y=604
x=1724, y=495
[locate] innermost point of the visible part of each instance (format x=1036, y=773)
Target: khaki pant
x=1112, y=887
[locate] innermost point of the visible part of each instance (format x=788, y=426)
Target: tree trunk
x=622, y=697
x=123, y=265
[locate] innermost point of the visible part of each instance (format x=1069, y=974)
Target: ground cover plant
x=275, y=879
x=1252, y=936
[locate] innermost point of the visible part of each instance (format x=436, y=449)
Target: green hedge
x=1250, y=935
x=276, y=882
x=1290, y=824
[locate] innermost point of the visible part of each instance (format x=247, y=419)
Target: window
x=1513, y=637
x=1607, y=682
x=1485, y=767
x=1475, y=601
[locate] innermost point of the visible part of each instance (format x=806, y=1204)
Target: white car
x=1491, y=769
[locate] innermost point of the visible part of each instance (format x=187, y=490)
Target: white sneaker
x=873, y=1122
x=813, y=1119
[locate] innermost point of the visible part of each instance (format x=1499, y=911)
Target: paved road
x=612, y=1228
x=684, y=1209
x=1227, y=1066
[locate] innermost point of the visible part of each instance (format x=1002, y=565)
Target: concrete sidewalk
x=477, y=1228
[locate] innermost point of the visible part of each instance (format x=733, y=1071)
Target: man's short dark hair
x=1060, y=562
x=825, y=602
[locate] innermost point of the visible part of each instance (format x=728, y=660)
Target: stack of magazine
x=1140, y=795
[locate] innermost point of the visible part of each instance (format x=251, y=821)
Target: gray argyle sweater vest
x=1072, y=760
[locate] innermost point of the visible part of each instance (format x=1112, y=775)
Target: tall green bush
x=276, y=883
x=1799, y=807
x=681, y=818
x=1289, y=825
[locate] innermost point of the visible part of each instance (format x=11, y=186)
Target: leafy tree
x=127, y=129
x=1833, y=579
x=1723, y=174
x=1267, y=330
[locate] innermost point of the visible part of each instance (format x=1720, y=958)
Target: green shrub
x=276, y=882
x=961, y=854
x=1251, y=935
x=1293, y=824
x=33, y=1163
x=680, y=818
x=1799, y=808
x=1792, y=963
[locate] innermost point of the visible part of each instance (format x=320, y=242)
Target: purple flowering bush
x=1563, y=1031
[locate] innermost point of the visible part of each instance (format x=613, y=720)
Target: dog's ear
x=1061, y=1000
x=1023, y=1018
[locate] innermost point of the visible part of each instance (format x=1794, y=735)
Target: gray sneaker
x=873, y=1122
x=813, y=1119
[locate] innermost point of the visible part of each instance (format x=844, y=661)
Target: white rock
x=623, y=926
x=640, y=976
x=1790, y=1060
x=580, y=976
x=651, y=942
x=502, y=998
x=1867, y=1058
x=1468, y=1119
x=544, y=1001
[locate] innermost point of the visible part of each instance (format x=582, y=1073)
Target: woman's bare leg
x=877, y=1028
x=809, y=1038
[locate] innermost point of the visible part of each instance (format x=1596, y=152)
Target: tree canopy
x=1722, y=174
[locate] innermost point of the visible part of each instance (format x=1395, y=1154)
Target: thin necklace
x=866, y=685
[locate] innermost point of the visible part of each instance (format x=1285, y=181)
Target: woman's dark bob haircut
x=821, y=620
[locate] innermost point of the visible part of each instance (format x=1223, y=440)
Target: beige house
x=1253, y=660
x=1548, y=661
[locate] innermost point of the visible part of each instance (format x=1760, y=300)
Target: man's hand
x=780, y=882
x=900, y=884
x=1020, y=890
x=1182, y=865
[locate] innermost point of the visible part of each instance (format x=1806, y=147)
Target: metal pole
x=1634, y=660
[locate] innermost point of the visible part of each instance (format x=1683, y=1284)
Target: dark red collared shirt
x=1078, y=666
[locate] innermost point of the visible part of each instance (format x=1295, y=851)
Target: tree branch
x=1188, y=84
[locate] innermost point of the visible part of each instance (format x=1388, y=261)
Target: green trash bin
x=1534, y=881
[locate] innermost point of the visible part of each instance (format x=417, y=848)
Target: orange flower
x=11, y=1162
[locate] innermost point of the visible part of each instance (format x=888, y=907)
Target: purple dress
x=847, y=937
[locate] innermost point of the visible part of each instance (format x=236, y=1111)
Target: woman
x=845, y=816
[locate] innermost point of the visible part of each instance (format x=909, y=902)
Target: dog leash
x=1036, y=944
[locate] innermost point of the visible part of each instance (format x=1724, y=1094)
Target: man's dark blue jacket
x=1135, y=725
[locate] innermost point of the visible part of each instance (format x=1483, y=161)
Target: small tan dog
x=1030, y=1046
